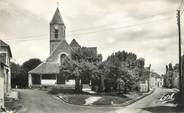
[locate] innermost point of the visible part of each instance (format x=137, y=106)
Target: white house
x=5, y=72
x=150, y=80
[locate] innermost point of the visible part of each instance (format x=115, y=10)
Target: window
x=62, y=57
x=56, y=32
x=49, y=77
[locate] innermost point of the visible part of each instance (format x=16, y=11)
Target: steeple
x=57, y=30
x=57, y=18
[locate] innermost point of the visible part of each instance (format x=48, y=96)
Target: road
x=36, y=101
x=151, y=104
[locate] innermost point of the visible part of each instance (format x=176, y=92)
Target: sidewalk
x=139, y=98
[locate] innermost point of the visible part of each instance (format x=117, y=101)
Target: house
x=5, y=73
x=156, y=80
x=47, y=73
x=150, y=80
x=2, y=85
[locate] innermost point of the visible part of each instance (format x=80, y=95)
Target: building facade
x=47, y=73
x=150, y=81
x=5, y=72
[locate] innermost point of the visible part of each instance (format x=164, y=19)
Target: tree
x=112, y=74
x=31, y=64
x=169, y=75
x=140, y=63
x=80, y=66
x=85, y=54
x=119, y=63
x=15, y=73
x=170, y=67
x=25, y=68
x=81, y=72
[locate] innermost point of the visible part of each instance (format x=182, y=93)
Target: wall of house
x=159, y=82
x=7, y=69
x=2, y=86
x=144, y=86
x=152, y=82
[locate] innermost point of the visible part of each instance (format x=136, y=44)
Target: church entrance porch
x=38, y=80
x=49, y=79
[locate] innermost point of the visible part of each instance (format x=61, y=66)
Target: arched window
x=62, y=57
x=56, y=32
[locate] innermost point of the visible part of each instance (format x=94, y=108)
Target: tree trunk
x=102, y=86
x=77, y=84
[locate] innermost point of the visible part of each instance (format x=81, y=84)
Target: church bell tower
x=57, y=30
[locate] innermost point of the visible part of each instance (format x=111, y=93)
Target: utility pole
x=179, y=45
x=149, y=77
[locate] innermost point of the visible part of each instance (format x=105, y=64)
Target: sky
x=147, y=28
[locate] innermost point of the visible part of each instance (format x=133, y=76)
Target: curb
x=114, y=105
x=139, y=98
x=64, y=100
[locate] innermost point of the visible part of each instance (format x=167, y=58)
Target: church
x=47, y=73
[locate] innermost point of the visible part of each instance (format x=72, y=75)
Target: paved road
x=36, y=101
x=150, y=104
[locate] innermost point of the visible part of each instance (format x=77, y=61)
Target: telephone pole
x=149, y=77
x=179, y=47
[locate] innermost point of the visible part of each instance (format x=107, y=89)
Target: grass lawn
x=105, y=100
x=75, y=99
x=79, y=98
x=62, y=90
x=109, y=100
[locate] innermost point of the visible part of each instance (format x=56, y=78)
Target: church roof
x=3, y=44
x=57, y=18
x=74, y=43
x=46, y=68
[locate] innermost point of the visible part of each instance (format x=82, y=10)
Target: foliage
x=20, y=73
x=80, y=71
x=118, y=79
x=81, y=66
x=85, y=54
x=30, y=64
x=110, y=75
x=16, y=74
x=120, y=64
x=76, y=99
x=169, y=75
x=64, y=90
x=125, y=60
x=109, y=100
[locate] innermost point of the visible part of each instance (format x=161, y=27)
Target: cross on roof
x=58, y=3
